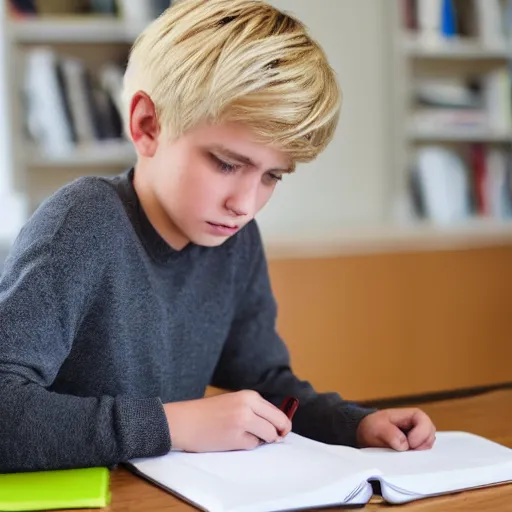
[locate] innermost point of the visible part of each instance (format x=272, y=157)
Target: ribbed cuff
x=329, y=419
x=347, y=417
x=142, y=428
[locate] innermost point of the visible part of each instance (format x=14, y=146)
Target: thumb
x=393, y=437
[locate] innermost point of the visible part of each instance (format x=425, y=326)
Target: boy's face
x=206, y=185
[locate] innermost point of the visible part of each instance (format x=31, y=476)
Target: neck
x=154, y=211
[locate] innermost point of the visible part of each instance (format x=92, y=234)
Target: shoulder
x=86, y=199
x=84, y=212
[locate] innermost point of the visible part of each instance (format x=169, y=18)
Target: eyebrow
x=245, y=160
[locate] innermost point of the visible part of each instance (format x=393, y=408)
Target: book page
x=458, y=460
x=295, y=473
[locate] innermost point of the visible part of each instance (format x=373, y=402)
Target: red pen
x=289, y=406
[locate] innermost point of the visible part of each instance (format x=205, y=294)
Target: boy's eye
x=224, y=166
x=271, y=178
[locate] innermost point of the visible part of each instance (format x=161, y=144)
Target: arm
x=46, y=287
x=256, y=358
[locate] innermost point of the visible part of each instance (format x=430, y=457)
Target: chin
x=209, y=241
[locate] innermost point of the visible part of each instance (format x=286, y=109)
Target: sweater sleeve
x=49, y=280
x=255, y=357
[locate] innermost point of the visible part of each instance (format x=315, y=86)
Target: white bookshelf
x=79, y=30
x=117, y=154
x=97, y=39
x=485, y=136
x=461, y=49
x=419, y=57
x=13, y=202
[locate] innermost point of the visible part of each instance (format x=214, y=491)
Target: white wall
x=349, y=183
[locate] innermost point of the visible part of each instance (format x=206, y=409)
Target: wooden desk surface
x=489, y=415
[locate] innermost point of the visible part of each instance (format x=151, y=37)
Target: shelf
x=387, y=238
x=100, y=154
x=459, y=136
x=72, y=30
x=456, y=49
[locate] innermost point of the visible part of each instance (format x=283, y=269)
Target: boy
x=123, y=298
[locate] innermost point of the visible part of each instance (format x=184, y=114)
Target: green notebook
x=60, y=489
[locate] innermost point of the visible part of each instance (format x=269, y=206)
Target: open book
x=300, y=473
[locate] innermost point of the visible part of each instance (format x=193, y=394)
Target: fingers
x=422, y=432
x=392, y=436
x=272, y=415
x=399, y=429
x=249, y=442
x=418, y=426
x=428, y=444
x=263, y=430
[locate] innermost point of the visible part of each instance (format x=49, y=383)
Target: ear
x=144, y=125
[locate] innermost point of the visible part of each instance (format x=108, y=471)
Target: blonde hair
x=236, y=61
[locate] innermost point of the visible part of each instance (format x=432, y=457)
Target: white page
x=458, y=460
x=295, y=473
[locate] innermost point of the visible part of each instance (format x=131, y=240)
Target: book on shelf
x=142, y=11
x=450, y=185
x=470, y=106
x=437, y=21
x=447, y=92
x=66, y=105
x=132, y=11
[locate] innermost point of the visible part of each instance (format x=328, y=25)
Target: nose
x=241, y=202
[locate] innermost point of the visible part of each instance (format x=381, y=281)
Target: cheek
x=166, y=173
x=200, y=188
x=163, y=182
x=263, y=196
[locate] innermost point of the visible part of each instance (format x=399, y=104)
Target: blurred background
x=390, y=255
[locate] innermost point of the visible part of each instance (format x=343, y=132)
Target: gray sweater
x=101, y=322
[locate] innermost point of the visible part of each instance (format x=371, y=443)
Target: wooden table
x=489, y=415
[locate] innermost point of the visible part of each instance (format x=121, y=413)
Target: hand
x=232, y=421
x=386, y=429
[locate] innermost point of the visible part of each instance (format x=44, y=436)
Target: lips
x=223, y=230
x=228, y=226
